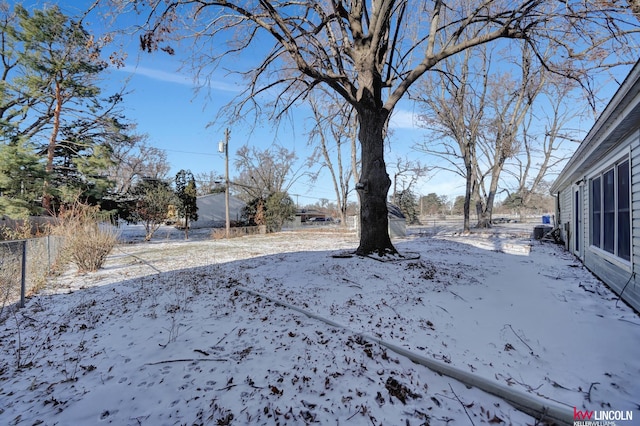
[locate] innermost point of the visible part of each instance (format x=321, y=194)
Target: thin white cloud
x=444, y=183
x=403, y=119
x=175, y=78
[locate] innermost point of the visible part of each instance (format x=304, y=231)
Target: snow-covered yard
x=172, y=332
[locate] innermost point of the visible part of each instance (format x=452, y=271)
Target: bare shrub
x=240, y=231
x=88, y=240
x=38, y=256
x=218, y=233
x=20, y=230
x=9, y=278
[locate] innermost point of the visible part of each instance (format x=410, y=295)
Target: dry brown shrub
x=88, y=239
x=20, y=230
x=9, y=278
x=218, y=233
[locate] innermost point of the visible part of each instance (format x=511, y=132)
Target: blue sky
x=165, y=105
x=176, y=118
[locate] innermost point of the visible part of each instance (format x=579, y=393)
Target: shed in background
x=211, y=211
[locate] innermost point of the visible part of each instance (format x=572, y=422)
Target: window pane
x=595, y=212
x=624, y=218
x=609, y=211
x=577, y=213
x=624, y=235
x=623, y=186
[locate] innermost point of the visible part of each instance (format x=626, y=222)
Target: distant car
x=501, y=220
x=319, y=219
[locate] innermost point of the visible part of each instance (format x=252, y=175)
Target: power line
x=190, y=152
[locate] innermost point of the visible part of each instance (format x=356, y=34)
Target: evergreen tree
x=408, y=204
x=186, y=193
x=279, y=209
x=21, y=178
x=253, y=212
x=458, y=205
x=431, y=204
x=273, y=211
x=49, y=95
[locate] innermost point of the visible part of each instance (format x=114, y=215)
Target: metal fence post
x=23, y=275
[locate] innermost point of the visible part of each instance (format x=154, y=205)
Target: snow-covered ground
x=168, y=333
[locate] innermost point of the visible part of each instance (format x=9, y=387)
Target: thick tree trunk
x=373, y=187
x=484, y=218
x=486, y=212
x=468, y=192
x=466, y=226
x=51, y=147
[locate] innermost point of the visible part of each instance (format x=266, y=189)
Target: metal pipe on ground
x=544, y=410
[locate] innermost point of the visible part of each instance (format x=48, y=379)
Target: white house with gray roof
x=598, y=194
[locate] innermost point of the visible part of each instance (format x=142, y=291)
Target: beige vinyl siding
x=616, y=273
x=635, y=202
x=586, y=219
x=565, y=217
x=613, y=140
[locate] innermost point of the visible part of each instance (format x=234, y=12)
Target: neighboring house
x=397, y=222
x=598, y=194
x=211, y=211
x=308, y=214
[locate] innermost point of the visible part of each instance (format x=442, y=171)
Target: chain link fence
x=24, y=266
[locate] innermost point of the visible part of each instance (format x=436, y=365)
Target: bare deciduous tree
x=135, y=161
x=209, y=183
x=454, y=112
x=509, y=101
x=331, y=133
x=371, y=53
x=265, y=172
x=542, y=151
x=481, y=114
x=407, y=173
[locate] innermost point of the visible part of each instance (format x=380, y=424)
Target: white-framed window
x=610, y=210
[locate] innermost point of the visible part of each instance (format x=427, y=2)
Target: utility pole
x=224, y=147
